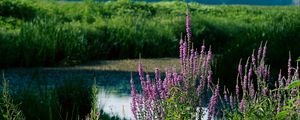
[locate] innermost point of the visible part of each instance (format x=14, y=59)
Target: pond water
x=115, y=103
x=119, y=104
x=114, y=85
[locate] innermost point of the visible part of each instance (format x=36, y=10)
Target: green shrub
x=8, y=109
x=22, y=9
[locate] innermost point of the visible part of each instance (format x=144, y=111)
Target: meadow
x=49, y=33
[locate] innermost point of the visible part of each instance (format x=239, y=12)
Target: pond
x=112, y=78
x=115, y=103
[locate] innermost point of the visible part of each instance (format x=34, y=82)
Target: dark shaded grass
x=67, y=101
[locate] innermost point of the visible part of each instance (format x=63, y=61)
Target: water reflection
x=115, y=103
x=118, y=104
x=114, y=86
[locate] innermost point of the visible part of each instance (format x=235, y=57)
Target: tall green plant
x=95, y=112
x=49, y=42
x=8, y=109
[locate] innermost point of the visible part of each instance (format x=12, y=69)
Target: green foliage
x=94, y=115
x=124, y=29
x=22, y=9
x=290, y=110
x=294, y=84
x=8, y=109
x=47, y=42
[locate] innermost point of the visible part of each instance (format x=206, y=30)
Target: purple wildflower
x=225, y=95
x=181, y=47
x=265, y=73
x=202, y=53
x=192, y=59
x=242, y=105
x=209, y=78
x=154, y=92
x=249, y=77
x=149, y=85
x=203, y=63
x=168, y=78
x=237, y=89
x=213, y=103
x=265, y=91
x=264, y=52
x=139, y=101
x=200, y=86
x=280, y=79
x=175, y=76
x=165, y=89
x=259, y=51
x=251, y=90
x=240, y=68
x=157, y=74
x=133, y=99
x=253, y=59
x=184, y=56
x=202, y=49
x=188, y=26
x=289, y=70
x=231, y=101
x=209, y=57
x=278, y=109
x=160, y=89
x=246, y=66
x=196, y=69
x=245, y=83
x=141, y=73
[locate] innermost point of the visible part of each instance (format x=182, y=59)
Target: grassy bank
x=59, y=33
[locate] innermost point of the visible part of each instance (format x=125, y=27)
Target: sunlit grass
x=129, y=65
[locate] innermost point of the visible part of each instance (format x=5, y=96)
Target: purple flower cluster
x=213, y=103
x=188, y=28
x=133, y=100
x=149, y=105
x=253, y=79
x=194, y=77
x=242, y=105
x=195, y=72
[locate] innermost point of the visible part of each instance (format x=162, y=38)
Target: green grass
x=125, y=65
x=66, y=33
